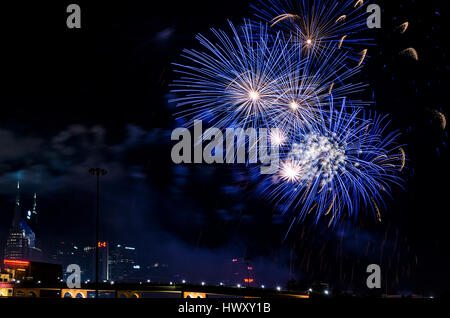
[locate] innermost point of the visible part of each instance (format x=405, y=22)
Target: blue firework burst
x=233, y=80
x=346, y=163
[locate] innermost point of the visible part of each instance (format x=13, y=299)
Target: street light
x=98, y=172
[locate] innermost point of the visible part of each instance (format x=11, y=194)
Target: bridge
x=142, y=291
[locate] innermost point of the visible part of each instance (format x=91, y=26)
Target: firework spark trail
x=403, y=154
x=359, y=3
x=283, y=17
x=341, y=18
x=411, y=52
x=342, y=41
x=403, y=27
x=331, y=88
x=363, y=57
x=442, y=119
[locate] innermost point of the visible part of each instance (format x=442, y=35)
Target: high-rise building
x=122, y=263
x=21, y=241
x=67, y=253
x=103, y=264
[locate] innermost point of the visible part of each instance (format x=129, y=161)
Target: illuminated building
x=21, y=241
x=122, y=263
x=6, y=285
x=66, y=253
x=35, y=272
x=103, y=263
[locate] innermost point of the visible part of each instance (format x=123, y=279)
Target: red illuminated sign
x=249, y=280
x=11, y=262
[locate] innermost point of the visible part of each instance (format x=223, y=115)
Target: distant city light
x=262, y=286
x=203, y=283
x=278, y=288
x=326, y=292
x=148, y=280
x=183, y=281
x=221, y=284
x=238, y=285
x=137, y=267
x=112, y=282
x=171, y=283
x=310, y=290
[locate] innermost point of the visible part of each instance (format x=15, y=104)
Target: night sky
x=99, y=96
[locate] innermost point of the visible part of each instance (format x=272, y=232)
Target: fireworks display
x=337, y=158
x=235, y=80
x=319, y=23
x=340, y=166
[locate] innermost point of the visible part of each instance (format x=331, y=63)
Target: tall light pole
x=99, y=173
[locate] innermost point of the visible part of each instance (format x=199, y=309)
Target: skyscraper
x=122, y=260
x=32, y=214
x=103, y=266
x=21, y=241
